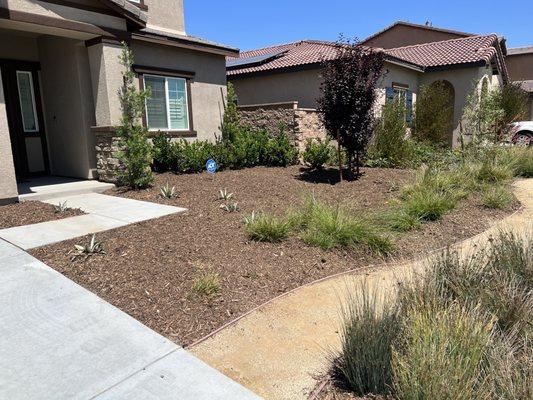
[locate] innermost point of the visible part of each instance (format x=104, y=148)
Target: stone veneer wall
x=107, y=148
x=300, y=123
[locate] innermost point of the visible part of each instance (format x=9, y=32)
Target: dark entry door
x=25, y=118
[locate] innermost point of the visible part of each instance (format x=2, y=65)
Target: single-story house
x=520, y=65
x=288, y=76
x=60, y=79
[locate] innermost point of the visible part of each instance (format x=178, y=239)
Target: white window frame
x=167, y=101
x=34, y=106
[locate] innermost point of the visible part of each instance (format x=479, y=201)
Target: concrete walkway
x=59, y=341
x=104, y=213
x=279, y=349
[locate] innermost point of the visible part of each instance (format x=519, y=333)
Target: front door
x=25, y=118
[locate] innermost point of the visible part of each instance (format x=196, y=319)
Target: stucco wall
x=68, y=106
x=8, y=182
x=61, y=11
x=166, y=15
x=520, y=66
x=208, y=88
x=16, y=47
x=402, y=35
x=300, y=86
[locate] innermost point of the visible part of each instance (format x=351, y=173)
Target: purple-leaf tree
x=348, y=96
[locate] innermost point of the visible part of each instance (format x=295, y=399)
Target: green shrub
x=191, y=156
x=368, y=331
x=441, y=354
x=279, y=151
x=328, y=227
x=135, y=154
x=389, y=143
x=266, y=228
x=498, y=197
x=318, y=153
x=249, y=148
x=162, y=153
x=434, y=113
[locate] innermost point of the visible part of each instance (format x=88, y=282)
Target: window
x=167, y=108
x=402, y=94
x=27, y=101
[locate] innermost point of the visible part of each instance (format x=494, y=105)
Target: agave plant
x=61, y=207
x=85, y=250
x=230, y=207
x=223, y=194
x=168, y=192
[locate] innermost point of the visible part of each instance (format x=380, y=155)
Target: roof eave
x=131, y=12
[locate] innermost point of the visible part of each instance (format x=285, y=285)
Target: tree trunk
x=357, y=162
x=339, y=155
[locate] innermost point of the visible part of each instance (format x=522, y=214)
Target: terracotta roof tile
x=297, y=53
x=466, y=50
x=449, y=52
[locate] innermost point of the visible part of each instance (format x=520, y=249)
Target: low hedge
x=247, y=149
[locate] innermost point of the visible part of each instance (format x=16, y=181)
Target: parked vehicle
x=522, y=133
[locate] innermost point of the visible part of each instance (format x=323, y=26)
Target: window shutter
x=409, y=106
x=389, y=93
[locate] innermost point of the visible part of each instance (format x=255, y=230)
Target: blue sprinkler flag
x=211, y=166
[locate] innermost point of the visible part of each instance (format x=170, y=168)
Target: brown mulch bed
x=149, y=268
x=331, y=392
x=32, y=212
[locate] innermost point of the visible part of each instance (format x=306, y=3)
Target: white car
x=522, y=133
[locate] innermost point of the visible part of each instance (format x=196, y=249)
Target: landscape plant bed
x=32, y=212
x=149, y=269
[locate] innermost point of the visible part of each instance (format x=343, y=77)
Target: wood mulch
x=149, y=268
x=31, y=212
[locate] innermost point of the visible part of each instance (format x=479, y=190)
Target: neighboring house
x=291, y=74
x=60, y=79
x=403, y=33
x=520, y=66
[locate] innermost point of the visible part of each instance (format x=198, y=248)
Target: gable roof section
x=290, y=55
x=130, y=11
x=412, y=25
x=472, y=50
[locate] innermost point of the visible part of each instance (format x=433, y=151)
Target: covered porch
x=47, y=104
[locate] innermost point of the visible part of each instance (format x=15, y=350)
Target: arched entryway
x=446, y=95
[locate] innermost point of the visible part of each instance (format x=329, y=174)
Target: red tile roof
x=297, y=53
x=468, y=50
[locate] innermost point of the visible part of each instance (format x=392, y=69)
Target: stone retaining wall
x=300, y=123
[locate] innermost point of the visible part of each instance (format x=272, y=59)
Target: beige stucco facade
x=8, y=185
x=303, y=87
x=72, y=49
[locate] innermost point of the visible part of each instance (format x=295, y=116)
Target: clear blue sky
x=249, y=24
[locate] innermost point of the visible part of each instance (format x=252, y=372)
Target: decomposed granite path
x=278, y=349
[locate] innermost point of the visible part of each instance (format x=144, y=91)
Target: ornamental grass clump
x=459, y=330
x=328, y=227
x=370, y=327
x=498, y=197
x=266, y=227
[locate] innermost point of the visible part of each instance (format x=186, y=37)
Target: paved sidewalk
x=59, y=341
x=103, y=213
x=279, y=349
